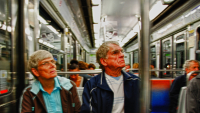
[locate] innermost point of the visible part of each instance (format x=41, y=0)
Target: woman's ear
x=103, y=62
x=35, y=72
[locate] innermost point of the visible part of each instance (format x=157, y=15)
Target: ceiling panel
x=120, y=17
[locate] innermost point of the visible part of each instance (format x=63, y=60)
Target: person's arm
x=26, y=103
x=191, y=98
x=174, y=95
x=76, y=101
x=86, y=99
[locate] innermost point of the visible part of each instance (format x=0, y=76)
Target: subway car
x=161, y=33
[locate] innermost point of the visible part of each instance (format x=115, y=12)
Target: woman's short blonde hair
x=135, y=65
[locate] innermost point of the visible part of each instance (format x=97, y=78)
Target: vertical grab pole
x=144, y=44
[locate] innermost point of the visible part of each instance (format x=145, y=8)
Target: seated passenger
x=127, y=67
x=114, y=90
x=91, y=67
x=179, y=82
x=136, y=67
x=83, y=66
x=153, y=73
x=49, y=93
x=78, y=80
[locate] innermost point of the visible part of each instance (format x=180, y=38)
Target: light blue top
x=53, y=100
x=116, y=78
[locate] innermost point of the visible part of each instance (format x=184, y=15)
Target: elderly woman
x=49, y=93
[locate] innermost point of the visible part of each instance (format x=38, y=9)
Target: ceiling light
x=45, y=43
x=96, y=2
x=3, y=27
x=96, y=28
x=40, y=40
x=96, y=36
x=166, y=2
x=96, y=12
x=42, y=20
x=52, y=29
x=156, y=9
x=192, y=12
x=8, y=28
x=179, y=41
x=30, y=38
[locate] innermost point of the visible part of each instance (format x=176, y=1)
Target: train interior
x=75, y=29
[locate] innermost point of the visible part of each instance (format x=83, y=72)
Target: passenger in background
x=91, y=67
x=78, y=80
x=136, y=67
x=127, y=67
x=153, y=73
x=112, y=91
x=49, y=93
x=83, y=66
x=190, y=65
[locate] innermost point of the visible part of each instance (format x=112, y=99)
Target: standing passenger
x=49, y=93
x=112, y=91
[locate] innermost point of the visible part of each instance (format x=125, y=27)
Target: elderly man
x=49, y=93
x=190, y=65
x=112, y=91
x=193, y=96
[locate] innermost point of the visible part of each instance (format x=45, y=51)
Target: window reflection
x=5, y=47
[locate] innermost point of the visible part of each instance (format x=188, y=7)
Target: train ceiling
x=119, y=19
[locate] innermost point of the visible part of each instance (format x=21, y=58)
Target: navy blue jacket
x=174, y=92
x=98, y=97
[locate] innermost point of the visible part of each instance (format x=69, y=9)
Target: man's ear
x=103, y=62
x=35, y=72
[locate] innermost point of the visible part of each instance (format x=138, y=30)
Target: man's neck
x=113, y=72
x=48, y=85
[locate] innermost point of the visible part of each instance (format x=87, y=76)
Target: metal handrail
x=80, y=72
x=162, y=69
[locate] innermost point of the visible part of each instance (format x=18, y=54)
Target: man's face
x=46, y=69
x=74, y=77
x=115, y=57
x=194, y=66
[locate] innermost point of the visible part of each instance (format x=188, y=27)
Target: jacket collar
x=198, y=76
x=103, y=84
x=64, y=82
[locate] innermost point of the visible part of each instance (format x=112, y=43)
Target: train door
x=198, y=43
x=135, y=56
x=179, y=51
x=153, y=55
x=166, y=57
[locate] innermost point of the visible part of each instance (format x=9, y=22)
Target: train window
x=5, y=47
x=135, y=57
x=166, y=57
x=198, y=37
x=153, y=56
x=179, y=53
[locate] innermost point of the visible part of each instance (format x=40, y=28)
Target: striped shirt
x=53, y=100
x=117, y=86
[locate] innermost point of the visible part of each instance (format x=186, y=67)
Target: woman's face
x=74, y=77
